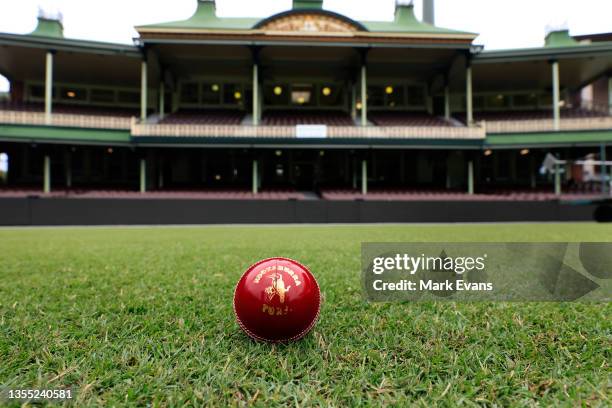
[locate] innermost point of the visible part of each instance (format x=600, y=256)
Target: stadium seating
x=446, y=195
x=70, y=109
x=204, y=117
x=226, y=194
x=414, y=119
x=531, y=114
x=306, y=117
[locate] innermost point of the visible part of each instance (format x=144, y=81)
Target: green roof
x=205, y=18
x=308, y=4
x=406, y=22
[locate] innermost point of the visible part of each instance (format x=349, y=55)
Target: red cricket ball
x=277, y=300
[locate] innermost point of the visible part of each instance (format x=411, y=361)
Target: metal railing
x=66, y=120
x=290, y=132
x=139, y=129
x=547, y=125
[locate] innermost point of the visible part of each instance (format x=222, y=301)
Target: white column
x=471, y=177
x=47, y=175
x=354, y=101
x=143, y=91
x=468, y=95
x=557, y=179
x=255, y=177
x=604, y=169
x=556, y=96
x=364, y=177
x=162, y=100
x=447, y=108
x=364, y=96
x=48, y=87
x=143, y=176
x=255, y=94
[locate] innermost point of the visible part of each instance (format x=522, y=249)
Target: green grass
x=140, y=316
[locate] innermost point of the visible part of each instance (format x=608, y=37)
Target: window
x=478, y=102
x=130, y=97
x=376, y=96
x=233, y=94
x=189, y=93
x=525, y=100
x=37, y=91
x=102, y=95
x=211, y=93
x=74, y=94
x=395, y=95
x=276, y=95
x=545, y=100
x=330, y=95
x=416, y=96
x=498, y=101
x=301, y=95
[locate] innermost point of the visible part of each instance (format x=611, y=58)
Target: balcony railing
x=547, y=125
x=65, y=120
x=139, y=129
x=291, y=132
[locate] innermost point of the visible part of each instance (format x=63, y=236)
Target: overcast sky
x=500, y=23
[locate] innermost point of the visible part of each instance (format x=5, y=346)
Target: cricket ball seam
x=303, y=332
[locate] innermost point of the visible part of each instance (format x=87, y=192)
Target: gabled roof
x=205, y=18
x=49, y=34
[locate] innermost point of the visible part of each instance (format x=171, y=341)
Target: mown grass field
x=138, y=316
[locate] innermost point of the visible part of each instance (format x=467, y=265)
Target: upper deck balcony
x=85, y=117
x=311, y=124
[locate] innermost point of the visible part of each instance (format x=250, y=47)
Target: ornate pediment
x=309, y=23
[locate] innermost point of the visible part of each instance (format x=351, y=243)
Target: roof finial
x=307, y=4
x=50, y=23
x=557, y=35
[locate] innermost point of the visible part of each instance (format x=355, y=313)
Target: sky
x=500, y=23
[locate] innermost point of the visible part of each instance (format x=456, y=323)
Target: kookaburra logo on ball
x=277, y=288
x=263, y=308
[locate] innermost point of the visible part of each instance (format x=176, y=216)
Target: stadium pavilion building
x=306, y=111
